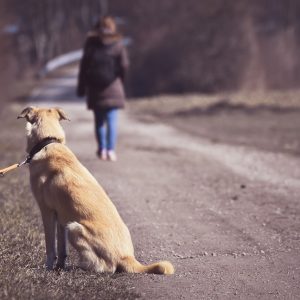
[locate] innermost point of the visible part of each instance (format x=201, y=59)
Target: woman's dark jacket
x=113, y=95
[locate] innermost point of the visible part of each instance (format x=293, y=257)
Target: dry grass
x=169, y=105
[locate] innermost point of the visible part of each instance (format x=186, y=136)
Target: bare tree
x=51, y=27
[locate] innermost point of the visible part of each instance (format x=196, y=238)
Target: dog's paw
x=59, y=266
x=49, y=268
x=50, y=262
x=60, y=263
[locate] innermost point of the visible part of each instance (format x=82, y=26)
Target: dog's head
x=43, y=123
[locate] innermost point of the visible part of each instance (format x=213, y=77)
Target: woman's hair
x=106, y=26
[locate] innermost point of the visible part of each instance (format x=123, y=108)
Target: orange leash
x=10, y=168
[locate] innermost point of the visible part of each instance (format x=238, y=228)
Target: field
x=210, y=183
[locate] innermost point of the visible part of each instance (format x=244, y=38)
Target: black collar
x=39, y=146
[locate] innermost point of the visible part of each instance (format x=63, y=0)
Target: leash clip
x=24, y=161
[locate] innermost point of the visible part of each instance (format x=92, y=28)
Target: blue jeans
x=106, y=128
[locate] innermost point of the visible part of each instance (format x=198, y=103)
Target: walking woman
x=101, y=78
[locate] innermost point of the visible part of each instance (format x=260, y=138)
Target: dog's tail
x=131, y=265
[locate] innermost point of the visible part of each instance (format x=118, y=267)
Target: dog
x=73, y=204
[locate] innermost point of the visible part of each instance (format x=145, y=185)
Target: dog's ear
x=29, y=113
x=62, y=114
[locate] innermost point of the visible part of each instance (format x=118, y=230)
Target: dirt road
x=226, y=214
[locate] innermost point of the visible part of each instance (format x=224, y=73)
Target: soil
x=215, y=192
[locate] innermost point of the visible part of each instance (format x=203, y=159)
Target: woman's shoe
x=111, y=155
x=102, y=154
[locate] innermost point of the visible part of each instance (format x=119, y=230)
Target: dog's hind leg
x=88, y=260
x=61, y=246
x=103, y=257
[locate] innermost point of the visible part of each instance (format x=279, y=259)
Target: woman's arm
x=124, y=63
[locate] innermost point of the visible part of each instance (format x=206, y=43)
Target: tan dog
x=69, y=196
